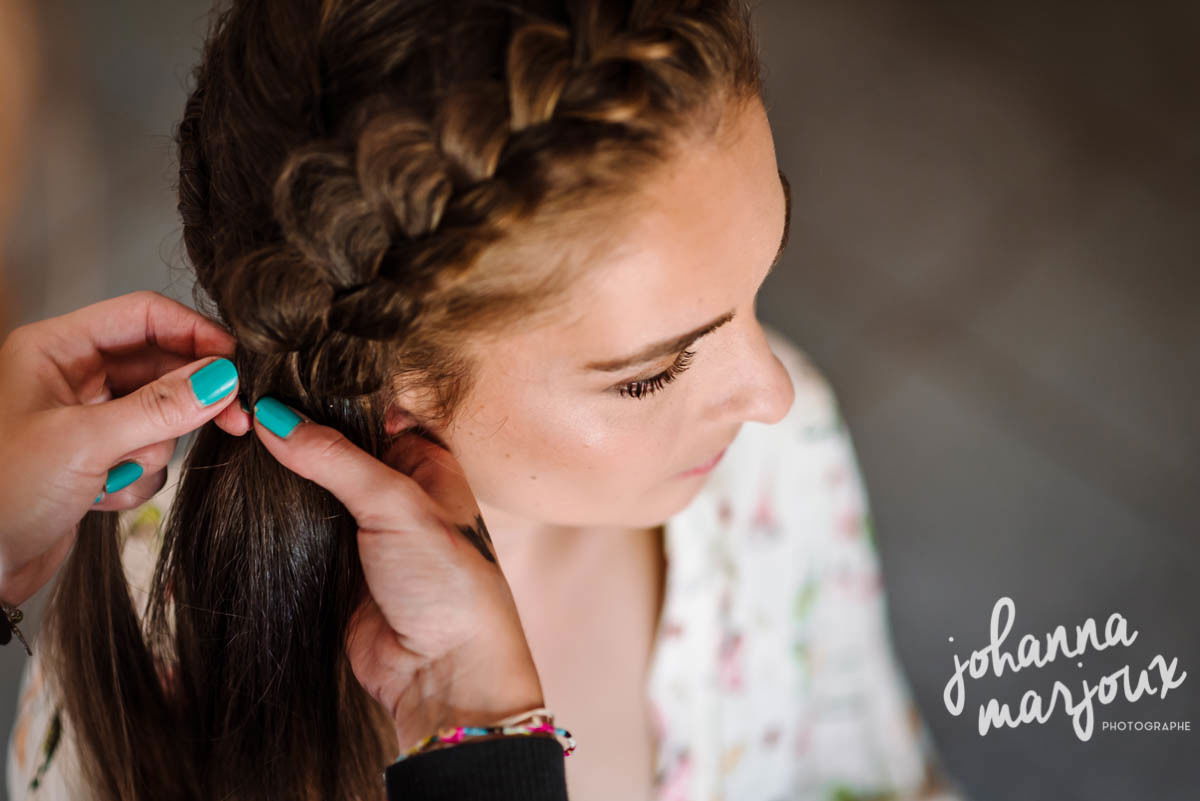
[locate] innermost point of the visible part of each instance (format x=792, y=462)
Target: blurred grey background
x=993, y=259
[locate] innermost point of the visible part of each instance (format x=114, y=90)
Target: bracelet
x=535, y=721
x=8, y=626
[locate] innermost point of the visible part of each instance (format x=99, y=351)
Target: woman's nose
x=764, y=390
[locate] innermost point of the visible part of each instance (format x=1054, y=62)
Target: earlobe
x=397, y=419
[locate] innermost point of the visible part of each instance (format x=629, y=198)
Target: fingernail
x=278, y=419
x=122, y=476
x=213, y=381
x=99, y=498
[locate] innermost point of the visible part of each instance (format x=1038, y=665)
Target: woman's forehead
x=691, y=257
x=697, y=243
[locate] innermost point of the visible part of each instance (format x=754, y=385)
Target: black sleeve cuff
x=518, y=768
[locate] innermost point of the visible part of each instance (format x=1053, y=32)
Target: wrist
x=466, y=694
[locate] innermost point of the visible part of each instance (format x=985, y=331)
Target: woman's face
x=549, y=437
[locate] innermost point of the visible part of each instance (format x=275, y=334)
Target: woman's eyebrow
x=660, y=349
x=667, y=347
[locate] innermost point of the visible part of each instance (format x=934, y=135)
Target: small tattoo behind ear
x=477, y=534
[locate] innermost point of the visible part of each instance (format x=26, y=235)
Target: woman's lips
x=704, y=468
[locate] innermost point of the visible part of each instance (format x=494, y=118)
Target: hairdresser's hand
x=104, y=387
x=439, y=642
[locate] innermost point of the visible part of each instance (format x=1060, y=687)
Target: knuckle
x=160, y=407
x=146, y=296
x=331, y=445
x=378, y=497
x=398, y=503
x=22, y=337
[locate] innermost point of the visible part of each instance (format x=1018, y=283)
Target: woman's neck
x=529, y=546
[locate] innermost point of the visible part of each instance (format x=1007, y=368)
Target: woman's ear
x=397, y=419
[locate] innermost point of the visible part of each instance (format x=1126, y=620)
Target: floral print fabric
x=772, y=677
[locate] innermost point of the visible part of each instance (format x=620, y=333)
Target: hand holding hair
x=91, y=404
x=438, y=642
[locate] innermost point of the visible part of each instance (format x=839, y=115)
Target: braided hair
x=364, y=185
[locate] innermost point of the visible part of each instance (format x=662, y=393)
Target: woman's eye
x=648, y=386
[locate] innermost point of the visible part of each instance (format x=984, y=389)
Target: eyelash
x=648, y=386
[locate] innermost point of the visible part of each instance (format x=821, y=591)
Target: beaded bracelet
x=540, y=721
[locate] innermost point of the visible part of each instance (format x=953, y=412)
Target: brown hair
x=366, y=186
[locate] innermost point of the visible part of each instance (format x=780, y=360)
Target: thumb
x=166, y=408
x=377, y=496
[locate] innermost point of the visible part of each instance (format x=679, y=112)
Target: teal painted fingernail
x=99, y=498
x=278, y=419
x=213, y=381
x=122, y=476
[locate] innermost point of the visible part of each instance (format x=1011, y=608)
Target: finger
x=131, y=471
x=82, y=339
x=124, y=373
x=234, y=419
x=377, y=496
x=366, y=628
x=436, y=470
x=154, y=456
x=148, y=318
x=170, y=407
x=135, y=494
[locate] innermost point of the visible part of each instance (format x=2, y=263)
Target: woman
x=532, y=232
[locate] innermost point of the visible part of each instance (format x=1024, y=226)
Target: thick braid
x=402, y=197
